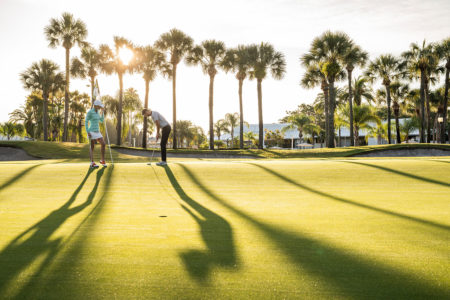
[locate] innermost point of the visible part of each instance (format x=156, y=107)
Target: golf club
x=153, y=152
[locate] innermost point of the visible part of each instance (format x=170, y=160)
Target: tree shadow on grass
x=18, y=176
x=351, y=202
x=216, y=232
x=399, y=173
x=28, y=246
x=348, y=274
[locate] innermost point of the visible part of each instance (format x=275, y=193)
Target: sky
x=379, y=27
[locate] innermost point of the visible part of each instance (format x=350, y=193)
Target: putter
x=153, y=152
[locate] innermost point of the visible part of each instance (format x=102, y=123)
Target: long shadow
x=61, y=280
x=216, y=233
x=348, y=274
x=18, y=176
x=347, y=201
x=23, y=250
x=399, y=173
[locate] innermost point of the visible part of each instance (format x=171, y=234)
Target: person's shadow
x=216, y=232
x=28, y=246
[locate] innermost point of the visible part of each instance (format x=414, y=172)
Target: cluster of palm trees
x=333, y=56
x=252, y=61
x=228, y=124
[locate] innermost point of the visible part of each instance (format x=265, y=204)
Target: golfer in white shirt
x=162, y=130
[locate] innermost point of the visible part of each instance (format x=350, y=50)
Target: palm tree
x=209, y=55
x=43, y=76
x=443, y=50
x=299, y=122
x=131, y=105
x=238, y=61
x=232, y=121
x=327, y=51
x=352, y=58
x=66, y=31
x=362, y=116
x=312, y=78
x=10, y=129
x=361, y=90
x=149, y=62
x=112, y=63
x=220, y=127
x=88, y=66
x=418, y=60
x=250, y=136
x=178, y=44
x=263, y=57
x=408, y=126
x=388, y=68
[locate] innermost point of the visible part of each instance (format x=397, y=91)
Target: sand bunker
x=14, y=154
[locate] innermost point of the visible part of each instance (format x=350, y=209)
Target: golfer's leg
x=164, y=139
x=91, y=153
x=102, y=143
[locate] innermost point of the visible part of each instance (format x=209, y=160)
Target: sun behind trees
x=332, y=58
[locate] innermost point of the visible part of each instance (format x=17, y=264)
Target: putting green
x=333, y=229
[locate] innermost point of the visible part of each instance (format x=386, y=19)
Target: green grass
x=311, y=229
x=80, y=152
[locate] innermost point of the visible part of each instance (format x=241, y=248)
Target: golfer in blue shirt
x=93, y=117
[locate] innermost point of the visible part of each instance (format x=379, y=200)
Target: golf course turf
x=348, y=228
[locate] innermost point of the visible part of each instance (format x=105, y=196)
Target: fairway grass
x=249, y=229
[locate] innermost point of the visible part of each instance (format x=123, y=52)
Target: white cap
x=98, y=103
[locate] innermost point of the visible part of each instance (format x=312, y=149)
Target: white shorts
x=96, y=135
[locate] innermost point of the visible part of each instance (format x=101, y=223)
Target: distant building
x=292, y=140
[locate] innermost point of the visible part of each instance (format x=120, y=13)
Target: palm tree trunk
x=427, y=99
x=422, y=106
x=241, y=116
x=45, y=118
x=119, y=113
x=66, y=96
x=388, y=96
x=350, y=103
x=92, y=90
x=260, y=115
x=211, y=116
x=356, y=130
x=332, y=101
x=145, y=129
x=325, y=95
x=444, y=115
x=397, y=127
x=339, y=139
x=174, y=103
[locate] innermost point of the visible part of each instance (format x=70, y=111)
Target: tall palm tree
x=209, y=55
x=398, y=93
x=327, y=51
x=312, y=78
x=263, y=57
x=177, y=44
x=353, y=57
x=418, y=61
x=112, y=63
x=66, y=31
x=150, y=61
x=443, y=50
x=388, y=68
x=89, y=65
x=237, y=60
x=43, y=76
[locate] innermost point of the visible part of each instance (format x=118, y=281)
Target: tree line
x=332, y=58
